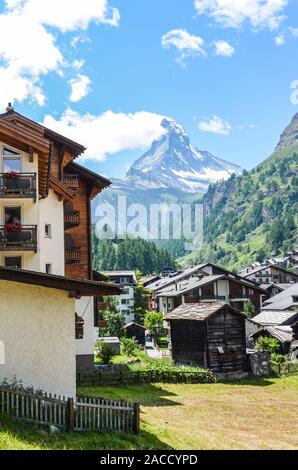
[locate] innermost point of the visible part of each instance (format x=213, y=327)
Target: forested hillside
x=254, y=216
x=130, y=254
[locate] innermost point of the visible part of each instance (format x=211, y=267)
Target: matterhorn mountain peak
x=173, y=162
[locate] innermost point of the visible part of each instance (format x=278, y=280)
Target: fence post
x=137, y=415
x=70, y=414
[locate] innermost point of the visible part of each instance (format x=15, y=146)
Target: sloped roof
x=135, y=324
x=283, y=300
x=275, y=317
x=198, y=312
x=166, y=281
x=282, y=334
x=244, y=273
x=193, y=283
x=75, y=287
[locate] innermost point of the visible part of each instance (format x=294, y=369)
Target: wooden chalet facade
x=210, y=336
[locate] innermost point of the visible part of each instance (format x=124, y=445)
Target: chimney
x=9, y=108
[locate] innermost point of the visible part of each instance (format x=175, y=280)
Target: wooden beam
x=74, y=294
x=31, y=154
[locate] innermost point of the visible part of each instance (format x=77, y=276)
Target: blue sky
x=233, y=100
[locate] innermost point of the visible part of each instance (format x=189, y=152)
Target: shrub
x=264, y=343
x=103, y=352
x=129, y=346
x=278, y=358
x=167, y=372
x=154, y=323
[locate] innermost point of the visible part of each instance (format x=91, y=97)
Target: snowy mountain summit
x=174, y=163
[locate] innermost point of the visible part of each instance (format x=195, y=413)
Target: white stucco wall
x=223, y=288
x=37, y=333
x=51, y=250
x=85, y=309
x=39, y=212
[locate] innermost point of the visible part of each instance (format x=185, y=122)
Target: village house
x=204, y=283
x=210, y=335
x=285, y=300
x=127, y=281
x=269, y=274
x=45, y=248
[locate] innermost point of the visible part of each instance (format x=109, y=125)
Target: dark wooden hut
x=134, y=330
x=210, y=335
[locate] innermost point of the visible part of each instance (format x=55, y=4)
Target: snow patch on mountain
x=174, y=163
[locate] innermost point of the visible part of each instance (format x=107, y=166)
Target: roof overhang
x=75, y=287
x=61, y=190
x=95, y=182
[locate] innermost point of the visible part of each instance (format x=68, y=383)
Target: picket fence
x=84, y=414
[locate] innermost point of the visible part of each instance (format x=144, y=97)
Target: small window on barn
x=79, y=327
x=2, y=353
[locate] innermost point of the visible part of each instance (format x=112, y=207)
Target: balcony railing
x=212, y=297
x=72, y=255
x=71, y=219
x=263, y=275
x=24, y=238
x=18, y=185
x=71, y=182
x=239, y=296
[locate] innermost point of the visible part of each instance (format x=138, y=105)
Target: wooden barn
x=209, y=335
x=134, y=330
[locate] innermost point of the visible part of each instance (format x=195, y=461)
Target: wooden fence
x=100, y=414
x=286, y=368
x=84, y=414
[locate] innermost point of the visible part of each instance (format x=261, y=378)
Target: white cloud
x=66, y=15
x=233, y=13
x=223, y=48
x=29, y=51
x=80, y=87
x=188, y=45
x=294, y=32
x=215, y=125
x=280, y=40
x=110, y=132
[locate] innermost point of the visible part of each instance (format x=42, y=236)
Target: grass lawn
x=248, y=414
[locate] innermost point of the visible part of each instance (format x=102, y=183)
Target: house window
x=13, y=262
x=11, y=161
x=48, y=231
x=12, y=215
x=79, y=327
x=48, y=268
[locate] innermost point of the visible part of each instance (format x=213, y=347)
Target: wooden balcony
x=18, y=185
x=71, y=219
x=212, y=298
x=72, y=255
x=71, y=182
x=24, y=238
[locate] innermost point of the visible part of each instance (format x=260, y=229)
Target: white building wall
x=85, y=309
x=51, y=250
x=127, y=308
x=37, y=336
x=223, y=289
x=39, y=212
